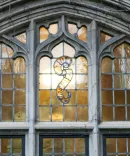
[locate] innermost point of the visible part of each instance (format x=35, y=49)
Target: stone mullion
x=31, y=109
x=93, y=93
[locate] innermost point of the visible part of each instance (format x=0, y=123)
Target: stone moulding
x=15, y=15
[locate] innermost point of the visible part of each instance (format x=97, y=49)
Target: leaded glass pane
x=116, y=85
x=63, y=85
x=7, y=65
x=57, y=113
x=44, y=113
x=117, y=146
x=21, y=37
x=11, y=146
x=111, y=145
x=19, y=113
x=13, y=85
x=105, y=37
x=7, y=97
x=64, y=146
x=6, y=51
x=19, y=65
x=106, y=65
x=44, y=34
x=57, y=51
x=16, y=145
x=53, y=29
x=82, y=33
x=47, y=145
x=82, y=65
x=72, y=28
x=7, y=113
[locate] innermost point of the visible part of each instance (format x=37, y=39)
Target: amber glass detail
x=82, y=33
x=81, y=65
x=44, y=34
x=116, y=84
x=72, y=28
x=21, y=37
x=53, y=29
x=63, y=86
x=111, y=145
x=105, y=37
x=107, y=65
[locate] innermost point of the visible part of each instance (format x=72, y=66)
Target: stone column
x=32, y=90
x=93, y=93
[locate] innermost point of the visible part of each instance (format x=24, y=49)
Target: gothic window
x=63, y=86
x=64, y=78
x=116, y=85
x=12, y=86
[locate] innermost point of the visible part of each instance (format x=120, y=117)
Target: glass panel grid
x=50, y=107
x=11, y=146
x=12, y=86
x=64, y=146
x=116, y=146
x=115, y=86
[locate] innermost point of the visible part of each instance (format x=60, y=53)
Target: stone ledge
x=14, y=125
x=65, y=125
x=115, y=125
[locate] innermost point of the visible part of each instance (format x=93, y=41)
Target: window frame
x=50, y=43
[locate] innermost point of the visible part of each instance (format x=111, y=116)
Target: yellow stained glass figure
x=61, y=67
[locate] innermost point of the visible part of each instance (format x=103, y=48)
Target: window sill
x=14, y=125
x=65, y=125
x=115, y=125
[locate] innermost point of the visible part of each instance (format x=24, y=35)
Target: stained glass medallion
x=63, y=80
